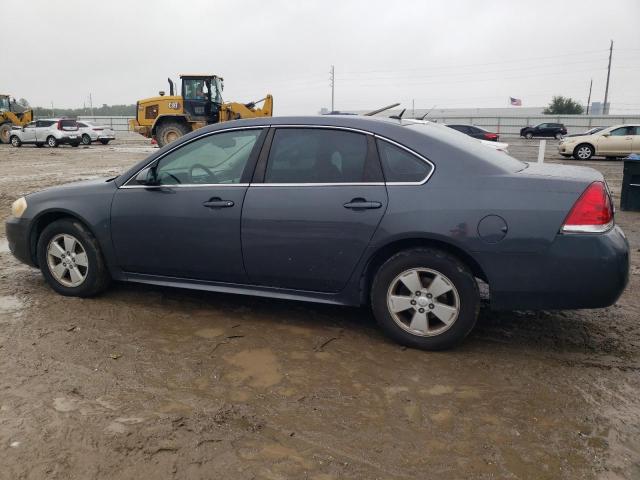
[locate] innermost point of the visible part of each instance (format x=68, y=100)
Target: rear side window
x=315, y=155
x=45, y=123
x=401, y=166
x=82, y=125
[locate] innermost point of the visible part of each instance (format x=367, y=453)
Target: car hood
x=580, y=138
x=68, y=188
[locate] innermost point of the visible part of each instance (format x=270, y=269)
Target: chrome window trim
x=264, y=185
x=207, y=134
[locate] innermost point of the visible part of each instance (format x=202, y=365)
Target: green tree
x=563, y=106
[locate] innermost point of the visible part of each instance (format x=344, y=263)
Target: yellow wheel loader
x=168, y=117
x=11, y=115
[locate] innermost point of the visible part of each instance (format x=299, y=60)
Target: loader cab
x=202, y=95
x=5, y=106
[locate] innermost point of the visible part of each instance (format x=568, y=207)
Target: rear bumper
x=576, y=271
x=18, y=238
x=66, y=139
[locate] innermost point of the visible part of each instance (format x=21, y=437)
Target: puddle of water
x=10, y=304
x=258, y=368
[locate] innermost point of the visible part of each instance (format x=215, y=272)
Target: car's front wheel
x=52, y=141
x=425, y=298
x=70, y=259
x=583, y=151
x=86, y=139
x=528, y=135
x=16, y=142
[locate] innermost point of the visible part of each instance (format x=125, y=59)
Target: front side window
x=622, y=131
x=542, y=125
x=401, y=166
x=216, y=159
x=30, y=125
x=315, y=155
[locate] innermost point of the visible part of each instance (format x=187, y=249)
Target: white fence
x=119, y=124
x=511, y=125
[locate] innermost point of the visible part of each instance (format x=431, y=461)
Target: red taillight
x=59, y=124
x=98, y=129
x=490, y=136
x=592, y=213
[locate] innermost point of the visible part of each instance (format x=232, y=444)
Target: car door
x=29, y=133
x=313, y=208
x=635, y=143
x=42, y=130
x=618, y=141
x=184, y=219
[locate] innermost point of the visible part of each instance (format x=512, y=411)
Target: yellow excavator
x=11, y=115
x=199, y=103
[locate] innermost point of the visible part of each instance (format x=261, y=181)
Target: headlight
x=18, y=207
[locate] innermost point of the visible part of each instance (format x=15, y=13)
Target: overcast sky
x=445, y=53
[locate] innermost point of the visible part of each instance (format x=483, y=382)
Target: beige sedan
x=616, y=141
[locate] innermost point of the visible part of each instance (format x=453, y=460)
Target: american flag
x=516, y=102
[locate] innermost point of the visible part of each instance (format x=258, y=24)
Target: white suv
x=47, y=131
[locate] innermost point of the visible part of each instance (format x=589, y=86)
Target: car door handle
x=218, y=203
x=361, y=204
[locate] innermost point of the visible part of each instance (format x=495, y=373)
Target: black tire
x=97, y=276
x=86, y=139
x=558, y=136
x=528, y=135
x=584, y=151
x=52, y=141
x=104, y=141
x=5, y=132
x=443, y=263
x=16, y=142
x=170, y=131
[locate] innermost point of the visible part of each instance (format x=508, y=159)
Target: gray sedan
x=404, y=218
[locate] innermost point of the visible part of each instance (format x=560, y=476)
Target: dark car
x=341, y=210
x=553, y=130
x=476, y=132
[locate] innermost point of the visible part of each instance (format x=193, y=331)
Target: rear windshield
x=500, y=159
x=68, y=123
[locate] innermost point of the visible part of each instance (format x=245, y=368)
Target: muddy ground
x=147, y=382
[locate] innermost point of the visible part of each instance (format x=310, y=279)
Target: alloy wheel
x=423, y=302
x=67, y=260
x=584, y=153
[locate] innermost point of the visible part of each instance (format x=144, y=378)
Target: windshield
x=4, y=103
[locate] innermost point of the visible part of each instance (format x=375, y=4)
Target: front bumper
x=566, y=148
x=18, y=238
x=576, y=271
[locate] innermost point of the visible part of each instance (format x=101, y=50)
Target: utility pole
x=53, y=113
x=91, y=103
x=605, y=110
x=332, y=79
x=589, y=99
x=413, y=108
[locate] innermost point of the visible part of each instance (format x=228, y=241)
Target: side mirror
x=606, y=134
x=147, y=176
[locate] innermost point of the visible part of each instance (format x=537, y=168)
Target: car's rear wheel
x=70, y=259
x=104, y=141
x=528, y=135
x=52, y=141
x=86, y=139
x=583, y=151
x=15, y=141
x=425, y=298
x=558, y=136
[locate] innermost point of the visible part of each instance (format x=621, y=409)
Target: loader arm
x=236, y=111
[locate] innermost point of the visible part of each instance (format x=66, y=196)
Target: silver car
x=47, y=131
x=92, y=132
